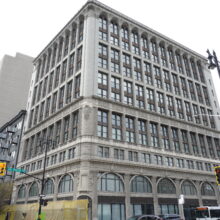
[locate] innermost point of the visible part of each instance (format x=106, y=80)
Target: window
x=208, y=167
x=165, y=137
x=62, y=156
x=179, y=107
x=54, y=55
x=41, y=115
x=154, y=134
x=163, y=56
x=48, y=187
x=53, y=159
x=137, y=69
x=188, y=188
x=57, y=133
x=135, y=42
x=103, y=85
x=211, y=118
x=169, y=161
x=116, y=126
x=57, y=77
x=79, y=59
x=199, y=93
x=33, y=165
x=150, y=99
x=103, y=28
x=160, y=103
x=115, y=89
x=185, y=141
x=64, y=67
x=187, y=68
x=34, y=96
x=142, y=132
x=125, y=38
x=39, y=164
x=190, y=164
x=103, y=56
x=43, y=65
x=38, y=71
x=81, y=26
x=75, y=124
x=169, y=209
x=171, y=59
x=180, y=163
x=148, y=73
x=192, y=90
x=145, y=47
x=71, y=153
x=77, y=86
x=165, y=186
x=176, y=84
x=207, y=190
x=126, y=65
x=128, y=93
x=119, y=154
x=45, y=87
x=158, y=160
x=201, y=72
x=158, y=78
x=133, y=156
x=66, y=184
x=36, y=115
x=61, y=97
x=33, y=190
x=188, y=111
x=194, y=70
x=167, y=81
x=139, y=96
x=210, y=146
x=217, y=146
x=110, y=183
x=47, y=111
x=202, y=145
x=103, y=152
x=154, y=51
x=66, y=46
x=196, y=114
x=206, y=96
x=54, y=102
x=71, y=64
x=69, y=91
x=146, y=158
x=111, y=211
x=60, y=50
x=179, y=62
x=73, y=38
x=130, y=129
x=204, y=116
x=102, y=129
x=66, y=129
x=39, y=91
x=175, y=138
x=184, y=87
x=21, y=192
x=194, y=143
x=170, y=106
x=141, y=185
x=115, y=61
x=114, y=33
x=199, y=165
x=50, y=82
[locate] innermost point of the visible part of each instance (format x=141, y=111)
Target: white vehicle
x=208, y=213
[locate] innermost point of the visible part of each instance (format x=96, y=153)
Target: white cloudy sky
x=28, y=25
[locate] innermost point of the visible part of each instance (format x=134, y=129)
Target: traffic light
x=217, y=173
x=44, y=202
x=2, y=169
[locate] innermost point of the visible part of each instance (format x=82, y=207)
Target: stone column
x=155, y=195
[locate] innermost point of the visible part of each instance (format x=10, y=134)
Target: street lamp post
x=213, y=61
x=47, y=141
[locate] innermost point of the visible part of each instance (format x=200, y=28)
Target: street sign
x=2, y=168
x=16, y=170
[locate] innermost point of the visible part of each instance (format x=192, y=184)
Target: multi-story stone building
x=15, y=77
x=130, y=111
x=10, y=138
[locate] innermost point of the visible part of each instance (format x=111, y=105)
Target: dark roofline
x=19, y=115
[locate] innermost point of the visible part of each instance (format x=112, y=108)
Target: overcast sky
x=27, y=26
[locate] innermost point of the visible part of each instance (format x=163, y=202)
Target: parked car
x=170, y=217
x=145, y=217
